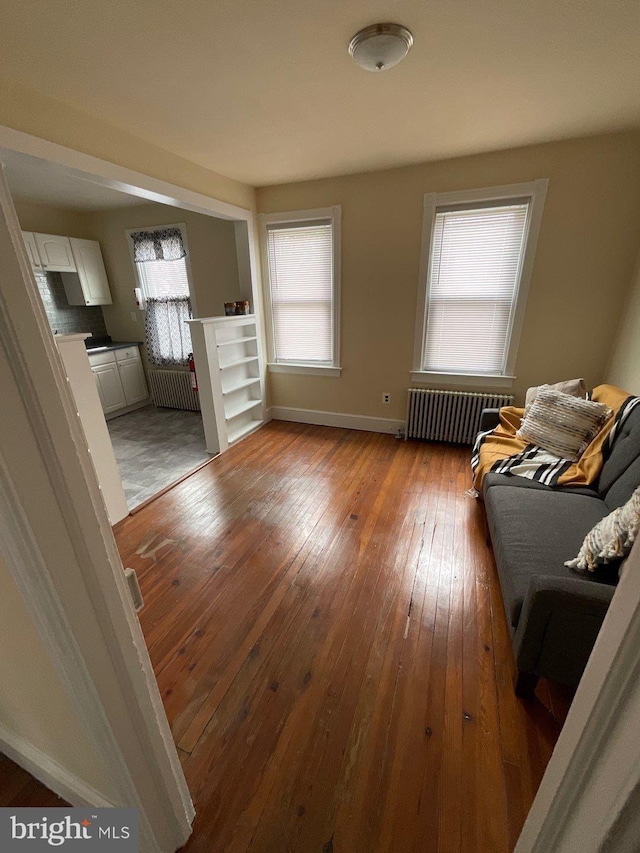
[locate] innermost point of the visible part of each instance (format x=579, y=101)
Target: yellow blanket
x=493, y=450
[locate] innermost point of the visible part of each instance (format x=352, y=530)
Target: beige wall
x=212, y=254
x=624, y=363
x=23, y=109
x=586, y=252
x=33, y=705
x=45, y=219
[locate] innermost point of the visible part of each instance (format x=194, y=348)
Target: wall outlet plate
x=386, y=398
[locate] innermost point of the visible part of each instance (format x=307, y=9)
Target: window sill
x=305, y=369
x=463, y=380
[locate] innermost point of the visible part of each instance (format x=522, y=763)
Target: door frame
x=70, y=573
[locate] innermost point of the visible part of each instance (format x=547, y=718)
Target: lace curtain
x=164, y=244
x=168, y=336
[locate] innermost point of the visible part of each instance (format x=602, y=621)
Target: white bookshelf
x=230, y=378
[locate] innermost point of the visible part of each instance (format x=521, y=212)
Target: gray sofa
x=554, y=613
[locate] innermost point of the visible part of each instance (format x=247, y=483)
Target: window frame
x=187, y=260
x=334, y=214
x=536, y=192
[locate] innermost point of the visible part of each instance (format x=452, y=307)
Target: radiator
x=448, y=415
x=172, y=389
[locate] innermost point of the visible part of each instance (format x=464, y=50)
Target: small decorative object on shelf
x=242, y=307
x=230, y=309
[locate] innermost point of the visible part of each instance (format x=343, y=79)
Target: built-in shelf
x=236, y=341
x=241, y=431
x=229, y=373
x=246, y=383
x=233, y=411
x=238, y=361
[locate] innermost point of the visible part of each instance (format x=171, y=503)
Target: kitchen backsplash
x=64, y=318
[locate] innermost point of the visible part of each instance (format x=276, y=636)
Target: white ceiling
x=32, y=179
x=264, y=91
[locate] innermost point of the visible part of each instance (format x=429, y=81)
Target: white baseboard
x=60, y=780
x=335, y=419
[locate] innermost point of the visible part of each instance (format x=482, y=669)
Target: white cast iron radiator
x=448, y=415
x=172, y=389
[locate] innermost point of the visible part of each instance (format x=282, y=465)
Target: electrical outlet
x=134, y=316
x=386, y=398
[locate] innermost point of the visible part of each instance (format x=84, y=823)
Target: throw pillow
x=574, y=387
x=612, y=537
x=561, y=424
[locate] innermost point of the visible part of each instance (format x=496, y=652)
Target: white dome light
x=380, y=46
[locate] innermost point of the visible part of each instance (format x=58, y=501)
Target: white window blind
x=301, y=285
x=474, y=271
x=163, y=278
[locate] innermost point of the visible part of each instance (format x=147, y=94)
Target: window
x=478, y=253
x=160, y=260
x=302, y=268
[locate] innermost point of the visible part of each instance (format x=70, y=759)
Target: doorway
x=145, y=388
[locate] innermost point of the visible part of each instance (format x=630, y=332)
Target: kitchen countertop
x=114, y=345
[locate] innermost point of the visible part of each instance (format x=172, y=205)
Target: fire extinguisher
x=192, y=368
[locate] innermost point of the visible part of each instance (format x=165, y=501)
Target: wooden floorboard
x=324, y=618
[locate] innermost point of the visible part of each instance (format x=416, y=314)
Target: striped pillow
x=561, y=424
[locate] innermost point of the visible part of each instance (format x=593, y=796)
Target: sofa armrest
x=558, y=626
x=489, y=419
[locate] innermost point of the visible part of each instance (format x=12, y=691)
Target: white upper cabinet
x=32, y=249
x=86, y=280
x=94, y=287
x=55, y=253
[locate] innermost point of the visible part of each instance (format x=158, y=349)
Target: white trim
x=536, y=191
x=299, y=215
x=462, y=380
x=334, y=214
x=107, y=174
x=57, y=778
x=588, y=798
x=505, y=191
x=77, y=595
x=368, y=423
x=304, y=369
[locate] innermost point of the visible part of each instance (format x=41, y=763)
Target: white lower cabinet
x=110, y=387
x=120, y=378
x=133, y=380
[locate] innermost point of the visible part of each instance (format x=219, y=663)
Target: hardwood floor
x=325, y=622
x=18, y=788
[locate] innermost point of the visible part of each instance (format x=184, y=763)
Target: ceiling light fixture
x=380, y=46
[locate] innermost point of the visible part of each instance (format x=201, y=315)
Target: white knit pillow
x=574, y=387
x=561, y=424
x=612, y=537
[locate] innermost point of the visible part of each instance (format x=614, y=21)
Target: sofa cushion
x=515, y=482
x=533, y=532
x=625, y=451
x=624, y=486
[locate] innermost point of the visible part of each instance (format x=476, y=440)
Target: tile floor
x=155, y=447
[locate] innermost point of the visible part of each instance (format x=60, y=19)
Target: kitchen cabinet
x=89, y=286
x=110, y=388
x=133, y=380
x=119, y=377
x=32, y=249
x=55, y=253
x=80, y=262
